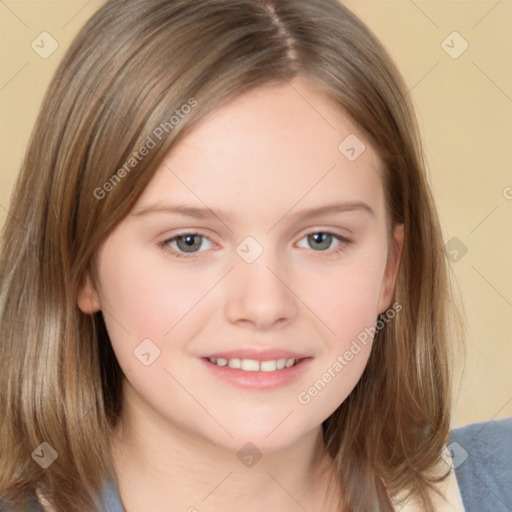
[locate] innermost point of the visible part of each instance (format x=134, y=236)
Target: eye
x=186, y=244
x=322, y=240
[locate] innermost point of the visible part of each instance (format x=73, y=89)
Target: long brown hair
x=126, y=73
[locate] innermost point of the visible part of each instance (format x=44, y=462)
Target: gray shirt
x=482, y=458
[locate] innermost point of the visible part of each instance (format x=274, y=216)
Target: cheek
x=133, y=302
x=354, y=308
x=345, y=297
x=349, y=311
x=145, y=294
x=144, y=297
x=347, y=306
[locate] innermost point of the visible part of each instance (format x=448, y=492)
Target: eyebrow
x=207, y=213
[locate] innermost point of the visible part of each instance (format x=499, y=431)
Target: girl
x=223, y=278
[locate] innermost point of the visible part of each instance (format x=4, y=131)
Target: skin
x=265, y=156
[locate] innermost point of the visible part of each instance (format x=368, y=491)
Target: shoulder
x=482, y=458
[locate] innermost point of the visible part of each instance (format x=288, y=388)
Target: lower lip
x=259, y=380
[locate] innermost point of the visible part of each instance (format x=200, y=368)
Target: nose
x=259, y=294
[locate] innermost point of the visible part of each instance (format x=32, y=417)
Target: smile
x=252, y=365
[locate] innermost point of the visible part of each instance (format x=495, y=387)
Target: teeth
x=234, y=363
x=251, y=365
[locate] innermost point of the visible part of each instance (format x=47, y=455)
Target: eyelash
x=344, y=243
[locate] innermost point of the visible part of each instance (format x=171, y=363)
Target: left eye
x=322, y=240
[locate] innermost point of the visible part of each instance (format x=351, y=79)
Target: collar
x=450, y=499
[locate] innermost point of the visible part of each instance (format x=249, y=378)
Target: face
x=265, y=268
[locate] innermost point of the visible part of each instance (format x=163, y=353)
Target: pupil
x=321, y=237
x=189, y=243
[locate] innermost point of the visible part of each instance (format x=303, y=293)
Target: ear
x=389, y=280
x=87, y=298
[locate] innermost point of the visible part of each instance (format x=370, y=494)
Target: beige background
x=464, y=106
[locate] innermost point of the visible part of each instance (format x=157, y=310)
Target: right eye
x=186, y=244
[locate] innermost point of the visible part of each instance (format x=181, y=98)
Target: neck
x=158, y=465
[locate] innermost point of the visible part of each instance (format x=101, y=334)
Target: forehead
x=274, y=146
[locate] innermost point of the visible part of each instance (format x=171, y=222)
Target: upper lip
x=257, y=354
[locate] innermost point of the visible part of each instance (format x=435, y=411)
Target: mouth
x=260, y=375
x=254, y=365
